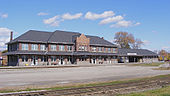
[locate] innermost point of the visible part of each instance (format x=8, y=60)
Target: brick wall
x=20, y=46
x=82, y=40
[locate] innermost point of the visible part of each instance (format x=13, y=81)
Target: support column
x=49, y=61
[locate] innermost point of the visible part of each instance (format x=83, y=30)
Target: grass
x=162, y=68
x=148, y=64
x=87, y=85
x=165, y=91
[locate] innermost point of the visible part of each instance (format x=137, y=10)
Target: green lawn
x=161, y=68
x=148, y=64
x=157, y=92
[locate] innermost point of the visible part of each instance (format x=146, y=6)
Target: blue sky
x=148, y=20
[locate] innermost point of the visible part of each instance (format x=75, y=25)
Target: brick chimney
x=11, y=36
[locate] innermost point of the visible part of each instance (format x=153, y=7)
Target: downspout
x=47, y=47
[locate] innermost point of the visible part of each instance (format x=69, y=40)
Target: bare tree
x=126, y=40
x=137, y=44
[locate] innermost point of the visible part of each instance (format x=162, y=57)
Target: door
x=109, y=60
x=93, y=60
x=34, y=60
x=61, y=60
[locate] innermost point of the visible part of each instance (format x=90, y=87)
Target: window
x=94, y=49
x=69, y=59
x=53, y=47
x=24, y=58
x=114, y=50
x=42, y=47
x=69, y=48
x=34, y=46
x=100, y=49
x=109, y=50
x=114, y=57
x=43, y=58
x=104, y=49
x=82, y=48
x=61, y=48
x=53, y=58
x=24, y=46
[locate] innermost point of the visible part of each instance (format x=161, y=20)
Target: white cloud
x=111, y=19
x=4, y=31
x=107, y=16
x=3, y=40
x=52, y=21
x=167, y=48
x=4, y=37
x=56, y=20
x=42, y=14
x=55, y=24
x=122, y=24
x=4, y=15
x=68, y=16
x=93, y=16
x=138, y=23
x=3, y=48
x=146, y=42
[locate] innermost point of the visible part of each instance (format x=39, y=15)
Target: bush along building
x=62, y=48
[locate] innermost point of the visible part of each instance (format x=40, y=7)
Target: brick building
x=3, y=59
x=60, y=48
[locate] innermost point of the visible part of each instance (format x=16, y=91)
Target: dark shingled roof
x=33, y=36
x=59, y=37
x=95, y=40
x=139, y=52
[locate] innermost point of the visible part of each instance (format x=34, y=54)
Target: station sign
x=131, y=53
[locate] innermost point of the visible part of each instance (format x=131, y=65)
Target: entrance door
x=34, y=60
x=133, y=59
x=93, y=60
x=61, y=60
x=109, y=60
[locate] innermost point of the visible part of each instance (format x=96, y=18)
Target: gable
x=83, y=40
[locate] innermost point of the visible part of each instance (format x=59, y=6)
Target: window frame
x=109, y=50
x=42, y=48
x=94, y=49
x=69, y=48
x=34, y=47
x=114, y=50
x=100, y=49
x=53, y=47
x=24, y=46
x=61, y=48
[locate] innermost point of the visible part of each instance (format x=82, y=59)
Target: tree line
x=127, y=40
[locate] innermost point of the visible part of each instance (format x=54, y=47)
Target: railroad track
x=113, y=89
